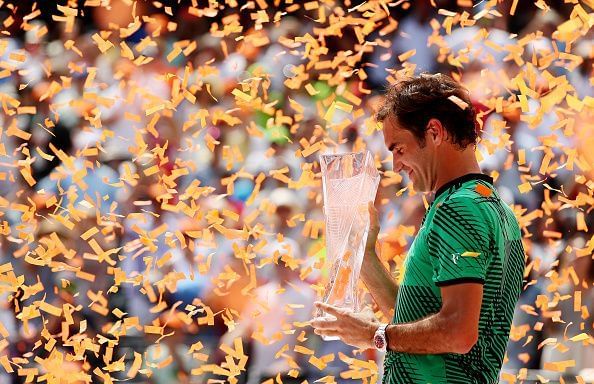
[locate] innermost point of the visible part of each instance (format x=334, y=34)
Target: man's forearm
x=379, y=282
x=434, y=334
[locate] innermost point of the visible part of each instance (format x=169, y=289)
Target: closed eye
x=392, y=147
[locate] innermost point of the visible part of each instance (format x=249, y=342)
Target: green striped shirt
x=468, y=234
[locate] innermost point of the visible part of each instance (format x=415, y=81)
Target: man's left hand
x=356, y=329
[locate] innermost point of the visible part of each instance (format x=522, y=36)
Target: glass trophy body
x=349, y=183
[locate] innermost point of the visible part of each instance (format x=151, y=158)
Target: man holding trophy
x=463, y=273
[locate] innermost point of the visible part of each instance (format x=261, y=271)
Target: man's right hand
x=374, y=228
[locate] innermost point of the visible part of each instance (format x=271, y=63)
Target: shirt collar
x=462, y=179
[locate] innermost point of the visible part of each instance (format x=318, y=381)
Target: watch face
x=379, y=342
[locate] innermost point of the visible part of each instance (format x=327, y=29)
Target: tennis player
x=463, y=273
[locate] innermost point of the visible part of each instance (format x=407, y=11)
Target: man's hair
x=413, y=101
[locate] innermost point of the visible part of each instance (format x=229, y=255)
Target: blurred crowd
x=147, y=209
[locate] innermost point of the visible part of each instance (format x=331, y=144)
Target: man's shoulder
x=465, y=199
x=475, y=189
x=473, y=195
x=478, y=202
x=475, y=204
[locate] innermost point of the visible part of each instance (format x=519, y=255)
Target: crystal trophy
x=349, y=183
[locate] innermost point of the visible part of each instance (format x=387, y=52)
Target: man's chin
x=418, y=187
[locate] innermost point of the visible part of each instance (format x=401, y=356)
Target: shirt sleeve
x=459, y=242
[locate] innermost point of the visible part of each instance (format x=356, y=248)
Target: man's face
x=409, y=156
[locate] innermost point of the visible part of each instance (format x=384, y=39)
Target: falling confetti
x=159, y=180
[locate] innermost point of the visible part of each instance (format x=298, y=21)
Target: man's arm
x=454, y=329
x=379, y=282
x=377, y=278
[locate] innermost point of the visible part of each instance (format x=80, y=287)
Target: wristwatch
x=380, y=339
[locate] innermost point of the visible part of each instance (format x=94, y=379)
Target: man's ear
x=436, y=131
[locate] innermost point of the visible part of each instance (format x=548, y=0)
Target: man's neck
x=458, y=164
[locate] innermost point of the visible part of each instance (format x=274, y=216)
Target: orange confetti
x=103, y=45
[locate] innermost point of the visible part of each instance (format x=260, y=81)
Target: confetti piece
x=581, y=337
x=312, y=149
x=296, y=106
x=316, y=362
x=14, y=131
x=574, y=103
x=459, y=102
x=311, y=90
x=52, y=310
x=581, y=222
x=241, y=95
x=559, y=366
x=3, y=331
x=85, y=276
x=17, y=56
x=173, y=54
x=545, y=163
x=89, y=233
x=521, y=156
x=151, y=170
x=525, y=187
x=407, y=55
x=303, y=350
x=208, y=89
x=103, y=45
x=483, y=190
x=135, y=365
x=552, y=234
x=445, y=12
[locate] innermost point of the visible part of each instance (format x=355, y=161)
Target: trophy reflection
x=349, y=183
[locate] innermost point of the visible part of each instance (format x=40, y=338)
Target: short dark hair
x=413, y=101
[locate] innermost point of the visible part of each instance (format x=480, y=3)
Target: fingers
x=373, y=228
x=373, y=217
x=371, y=207
x=330, y=309
x=329, y=322
x=323, y=324
x=327, y=333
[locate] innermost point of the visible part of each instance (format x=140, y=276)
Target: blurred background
x=160, y=193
